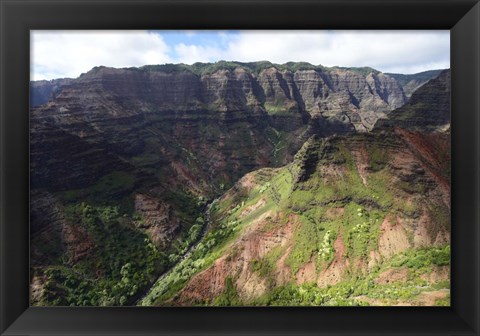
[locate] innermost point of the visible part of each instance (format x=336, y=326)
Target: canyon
x=327, y=182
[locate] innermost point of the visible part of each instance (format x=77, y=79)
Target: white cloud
x=57, y=54
x=388, y=51
x=68, y=53
x=190, y=54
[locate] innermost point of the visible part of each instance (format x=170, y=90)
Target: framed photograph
x=239, y=168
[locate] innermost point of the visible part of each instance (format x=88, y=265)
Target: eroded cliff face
x=193, y=129
x=427, y=110
x=208, y=129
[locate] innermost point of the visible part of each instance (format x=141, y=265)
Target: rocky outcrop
x=157, y=218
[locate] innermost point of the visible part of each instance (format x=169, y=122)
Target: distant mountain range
x=412, y=82
x=383, y=92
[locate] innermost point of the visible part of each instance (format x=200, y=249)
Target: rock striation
x=226, y=119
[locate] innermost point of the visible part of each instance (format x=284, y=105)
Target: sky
x=63, y=53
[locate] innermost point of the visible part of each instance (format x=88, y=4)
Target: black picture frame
x=18, y=17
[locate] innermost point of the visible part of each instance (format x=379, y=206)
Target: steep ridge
x=427, y=110
x=358, y=219
x=410, y=83
x=353, y=220
x=125, y=161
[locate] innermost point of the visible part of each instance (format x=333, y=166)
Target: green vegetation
x=296, y=66
x=265, y=266
x=443, y=302
x=378, y=157
x=167, y=68
x=310, y=239
x=361, y=290
x=229, y=297
x=341, y=204
x=122, y=264
x=355, y=292
x=421, y=259
x=326, y=250
x=201, y=69
x=360, y=70
x=116, y=184
x=278, y=108
x=333, y=199
x=363, y=229
x=310, y=295
x=279, y=141
x=122, y=261
x=228, y=220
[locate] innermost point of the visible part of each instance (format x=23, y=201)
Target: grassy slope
x=365, y=208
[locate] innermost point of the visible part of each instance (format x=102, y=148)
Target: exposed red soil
x=253, y=244
x=333, y=273
x=360, y=156
x=393, y=238
x=79, y=244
